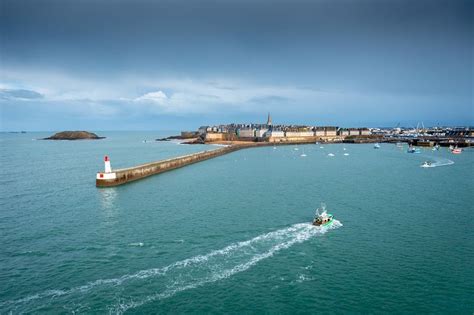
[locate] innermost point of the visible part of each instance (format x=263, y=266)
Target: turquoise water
x=232, y=234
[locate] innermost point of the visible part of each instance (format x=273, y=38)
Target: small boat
x=330, y=154
x=451, y=148
x=411, y=149
x=321, y=147
x=303, y=155
x=427, y=164
x=456, y=150
x=317, y=142
x=344, y=149
x=346, y=154
x=376, y=146
x=296, y=149
x=435, y=148
x=321, y=217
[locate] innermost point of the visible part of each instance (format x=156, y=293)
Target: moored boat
x=321, y=217
x=411, y=149
x=376, y=146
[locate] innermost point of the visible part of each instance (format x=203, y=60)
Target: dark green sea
x=233, y=234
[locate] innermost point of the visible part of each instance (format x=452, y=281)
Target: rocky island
x=74, y=135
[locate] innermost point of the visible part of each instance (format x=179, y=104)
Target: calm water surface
x=231, y=234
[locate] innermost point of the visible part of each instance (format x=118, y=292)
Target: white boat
x=376, y=146
x=296, y=149
x=346, y=154
x=427, y=164
x=330, y=154
x=303, y=155
x=321, y=147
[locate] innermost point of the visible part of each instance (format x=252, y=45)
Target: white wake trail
x=177, y=277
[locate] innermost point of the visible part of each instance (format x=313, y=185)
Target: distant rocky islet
x=74, y=135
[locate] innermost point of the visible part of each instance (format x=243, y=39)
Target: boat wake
x=439, y=162
x=134, y=290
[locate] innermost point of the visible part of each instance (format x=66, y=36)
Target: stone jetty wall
x=123, y=176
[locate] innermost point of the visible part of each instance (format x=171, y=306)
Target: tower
x=269, y=120
x=108, y=168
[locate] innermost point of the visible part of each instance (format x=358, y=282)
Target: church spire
x=269, y=119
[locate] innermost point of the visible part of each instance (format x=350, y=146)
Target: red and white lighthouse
x=107, y=174
x=108, y=168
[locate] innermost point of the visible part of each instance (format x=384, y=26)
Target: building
x=275, y=134
x=331, y=131
x=260, y=133
x=343, y=132
x=246, y=132
x=298, y=134
x=365, y=132
x=269, y=120
x=354, y=132
x=202, y=130
x=319, y=132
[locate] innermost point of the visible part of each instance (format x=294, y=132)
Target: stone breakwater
x=125, y=175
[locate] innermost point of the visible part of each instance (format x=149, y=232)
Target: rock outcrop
x=74, y=135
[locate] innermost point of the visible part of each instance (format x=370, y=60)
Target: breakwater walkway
x=117, y=177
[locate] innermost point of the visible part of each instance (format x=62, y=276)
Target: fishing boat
x=376, y=146
x=321, y=217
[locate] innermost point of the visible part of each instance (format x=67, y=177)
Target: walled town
x=281, y=134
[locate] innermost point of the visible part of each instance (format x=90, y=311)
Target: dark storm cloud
x=381, y=53
x=9, y=94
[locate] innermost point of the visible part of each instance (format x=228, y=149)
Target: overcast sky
x=150, y=65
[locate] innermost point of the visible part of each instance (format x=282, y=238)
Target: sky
x=175, y=65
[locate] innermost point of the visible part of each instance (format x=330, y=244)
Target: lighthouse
x=108, y=168
x=107, y=174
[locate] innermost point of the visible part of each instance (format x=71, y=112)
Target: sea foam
x=179, y=276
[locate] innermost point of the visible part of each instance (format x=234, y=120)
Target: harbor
x=233, y=137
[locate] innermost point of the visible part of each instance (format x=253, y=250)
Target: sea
x=233, y=234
